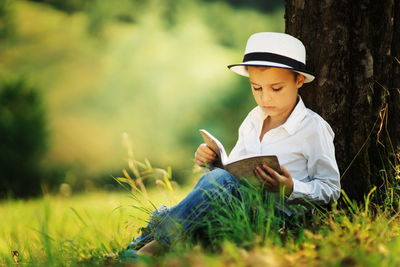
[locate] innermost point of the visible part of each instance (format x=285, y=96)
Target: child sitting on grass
x=280, y=125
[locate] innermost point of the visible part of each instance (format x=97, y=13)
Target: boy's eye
x=276, y=89
x=257, y=88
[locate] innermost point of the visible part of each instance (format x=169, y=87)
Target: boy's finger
x=204, y=159
x=209, y=151
x=285, y=171
x=212, y=154
x=207, y=157
x=259, y=176
x=266, y=177
x=200, y=163
x=267, y=185
x=201, y=154
x=205, y=150
x=271, y=172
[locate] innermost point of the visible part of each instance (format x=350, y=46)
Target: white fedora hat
x=273, y=49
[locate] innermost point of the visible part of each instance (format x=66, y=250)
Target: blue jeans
x=167, y=225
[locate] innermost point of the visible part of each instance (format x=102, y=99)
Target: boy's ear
x=299, y=81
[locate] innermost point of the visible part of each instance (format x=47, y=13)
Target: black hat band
x=263, y=56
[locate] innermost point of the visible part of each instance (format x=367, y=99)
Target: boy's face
x=275, y=90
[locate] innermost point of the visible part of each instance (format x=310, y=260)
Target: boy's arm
x=323, y=185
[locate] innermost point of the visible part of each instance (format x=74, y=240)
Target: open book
x=242, y=167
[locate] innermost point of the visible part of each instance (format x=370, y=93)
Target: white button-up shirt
x=303, y=144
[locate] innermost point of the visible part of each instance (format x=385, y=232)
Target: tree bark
x=353, y=46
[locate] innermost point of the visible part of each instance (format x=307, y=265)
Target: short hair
x=295, y=74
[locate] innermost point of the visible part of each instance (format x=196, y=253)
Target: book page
x=215, y=145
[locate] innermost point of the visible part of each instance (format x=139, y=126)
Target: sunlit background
x=75, y=75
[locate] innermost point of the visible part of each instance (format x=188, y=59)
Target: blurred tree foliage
x=224, y=114
x=68, y=6
x=100, y=11
x=7, y=20
x=267, y=6
x=23, y=136
x=153, y=60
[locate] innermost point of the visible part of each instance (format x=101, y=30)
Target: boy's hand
x=204, y=155
x=273, y=181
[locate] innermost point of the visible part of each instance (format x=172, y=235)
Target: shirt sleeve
x=323, y=183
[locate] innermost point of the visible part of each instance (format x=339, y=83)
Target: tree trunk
x=353, y=46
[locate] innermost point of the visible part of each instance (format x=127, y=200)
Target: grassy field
x=90, y=228
x=60, y=230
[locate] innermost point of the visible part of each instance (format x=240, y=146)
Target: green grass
x=244, y=233
x=59, y=230
x=89, y=229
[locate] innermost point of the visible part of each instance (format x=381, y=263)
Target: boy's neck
x=269, y=124
x=274, y=122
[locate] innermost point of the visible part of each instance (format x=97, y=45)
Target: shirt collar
x=297, y=115
x=293, y=121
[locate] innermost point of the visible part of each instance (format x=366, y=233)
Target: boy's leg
x=146, y=235
x=216, y=183
x=167, y=224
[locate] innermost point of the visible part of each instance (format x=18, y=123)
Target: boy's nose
x=265, y=96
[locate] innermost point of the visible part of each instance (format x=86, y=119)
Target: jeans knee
x=217, y=176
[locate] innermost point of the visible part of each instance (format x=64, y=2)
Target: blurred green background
x=76, y=74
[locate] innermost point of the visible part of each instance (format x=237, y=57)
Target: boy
x=280, y=125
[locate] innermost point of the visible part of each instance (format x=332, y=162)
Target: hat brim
x=242, y=70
